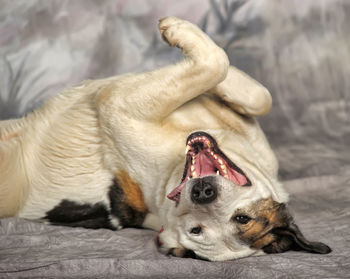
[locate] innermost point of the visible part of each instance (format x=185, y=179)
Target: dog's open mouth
x=203, y=158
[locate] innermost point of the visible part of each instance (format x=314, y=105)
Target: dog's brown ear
x=291, y=238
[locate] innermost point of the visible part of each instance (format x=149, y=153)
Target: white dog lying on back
x=110, y=154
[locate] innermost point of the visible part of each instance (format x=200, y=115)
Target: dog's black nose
x=203, y=191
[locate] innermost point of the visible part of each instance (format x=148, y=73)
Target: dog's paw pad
x=177, y=31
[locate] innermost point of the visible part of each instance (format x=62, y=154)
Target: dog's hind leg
x=246, y=96
x=154, y=95
x=243, y=94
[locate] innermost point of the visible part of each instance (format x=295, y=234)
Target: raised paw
x=193, y=41
x=183, y=34
x=167, y=35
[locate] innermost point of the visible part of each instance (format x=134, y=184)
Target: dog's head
x=223, y=212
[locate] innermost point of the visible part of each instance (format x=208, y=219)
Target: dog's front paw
x=178, y=32
x=168, y=245
x=183, y=34
x=168, y=27
x=194, y=43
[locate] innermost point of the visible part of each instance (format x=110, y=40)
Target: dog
x=177, y=150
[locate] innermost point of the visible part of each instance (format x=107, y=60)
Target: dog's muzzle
x=203, y=191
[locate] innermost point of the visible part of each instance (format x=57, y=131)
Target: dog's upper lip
x=174, y=195
x=203, y=158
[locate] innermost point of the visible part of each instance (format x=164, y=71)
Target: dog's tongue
x=204, y=165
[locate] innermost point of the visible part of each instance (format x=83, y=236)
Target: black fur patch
x=96, y=216
x=128, y=216
x=72, y=214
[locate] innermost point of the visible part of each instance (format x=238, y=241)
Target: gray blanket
x=29, y=249
x=298, y=49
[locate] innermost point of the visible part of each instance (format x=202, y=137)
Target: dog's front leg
x=132, y=109
x=154, y=95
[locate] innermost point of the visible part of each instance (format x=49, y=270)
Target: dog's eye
x=196, y=230
x=242, y=219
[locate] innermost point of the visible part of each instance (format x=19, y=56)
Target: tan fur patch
x=103, y=95
x=253, y=230
x=264, y=241
x=179, y=252
x=9, y=137
x=266, y=214
x=132, y=191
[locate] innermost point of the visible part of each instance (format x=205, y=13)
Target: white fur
x=72, y=147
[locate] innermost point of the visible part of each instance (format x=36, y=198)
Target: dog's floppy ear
x=291, y=238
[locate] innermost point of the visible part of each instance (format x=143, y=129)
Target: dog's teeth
x=212, y=153
x=223, y=167
x=226, y=176
x=216, y=157
x=192, y=168
x=224, y=170
x=194, y=174
x=193, y=160
x=188, y=148
x=220, y=162
x=217, y=172
x=208, y=143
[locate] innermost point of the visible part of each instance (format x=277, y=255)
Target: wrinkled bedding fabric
x=30, y=249
x=298, y=49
